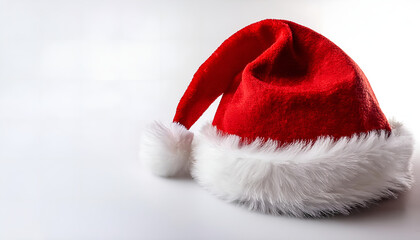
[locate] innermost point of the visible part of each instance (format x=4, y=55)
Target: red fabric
x=285, y=82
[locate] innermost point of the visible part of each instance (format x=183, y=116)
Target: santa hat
x=298, y=130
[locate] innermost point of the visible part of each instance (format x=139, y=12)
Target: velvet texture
x=285, y=82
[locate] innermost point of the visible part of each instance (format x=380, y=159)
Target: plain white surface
x=79, y=81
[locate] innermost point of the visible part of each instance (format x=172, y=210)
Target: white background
x=80, y=80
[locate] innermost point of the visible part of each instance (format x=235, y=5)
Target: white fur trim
x=166, y=149
x=304, y=180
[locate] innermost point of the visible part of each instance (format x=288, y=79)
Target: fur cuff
x=166, y=149
x=325, y=177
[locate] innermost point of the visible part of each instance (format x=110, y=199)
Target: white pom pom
x=166, y=149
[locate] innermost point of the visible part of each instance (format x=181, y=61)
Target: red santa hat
x=298, y=130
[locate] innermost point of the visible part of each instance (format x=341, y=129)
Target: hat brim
x=325, y=177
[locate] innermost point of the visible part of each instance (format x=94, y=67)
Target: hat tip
x=166, y=149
